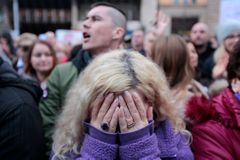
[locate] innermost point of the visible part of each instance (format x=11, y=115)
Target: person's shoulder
x=65, y=66
x=225, y=95
x=210, y=48
x=208, y=125
x=65, y=69
x=211, y=139
x=62, y=74
x=210, y=131
x=21, y=96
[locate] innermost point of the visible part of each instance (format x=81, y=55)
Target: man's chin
x=199, y=45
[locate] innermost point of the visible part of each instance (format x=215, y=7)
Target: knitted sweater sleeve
x=172, y=145
x=184, y=151
x=98, y=144
x=141, y=144
x=95, y=149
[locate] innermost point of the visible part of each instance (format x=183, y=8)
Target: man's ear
x=118, y=33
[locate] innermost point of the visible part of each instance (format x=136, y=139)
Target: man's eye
x=95, y=18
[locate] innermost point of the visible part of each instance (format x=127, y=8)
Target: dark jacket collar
x=82, y=59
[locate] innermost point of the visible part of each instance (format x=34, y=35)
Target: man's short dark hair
x=108, y=5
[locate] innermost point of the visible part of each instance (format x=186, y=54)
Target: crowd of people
x=162, y=96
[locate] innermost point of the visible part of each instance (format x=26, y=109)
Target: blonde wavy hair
x=113, y=72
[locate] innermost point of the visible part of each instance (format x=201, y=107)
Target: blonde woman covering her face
x=109, y=113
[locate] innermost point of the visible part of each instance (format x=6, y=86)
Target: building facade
x=39, y=16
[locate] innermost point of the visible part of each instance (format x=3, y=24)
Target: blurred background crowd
x=191, y=40
x=58, y=23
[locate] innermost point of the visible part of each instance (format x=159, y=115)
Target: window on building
x=183, y=2
x=39, y=16
x=183, y=26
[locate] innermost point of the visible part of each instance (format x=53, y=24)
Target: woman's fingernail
x=126, y=93
x=110, y=95
x=116, y=100
x=100, y=95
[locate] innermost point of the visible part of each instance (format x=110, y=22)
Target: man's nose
x=86, y=24
x=198, y=33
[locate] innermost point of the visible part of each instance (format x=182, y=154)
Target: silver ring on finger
x=130, y=125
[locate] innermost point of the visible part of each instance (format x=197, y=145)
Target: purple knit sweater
x=146, y=144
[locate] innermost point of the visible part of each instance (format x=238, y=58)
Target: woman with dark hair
x=216, y=123
x=170, y=53
x=40, y=62
x=196, y=87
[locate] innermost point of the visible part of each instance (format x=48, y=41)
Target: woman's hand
x=105, y=113
x=220, y=67
x=161, y=23
x=134, y=112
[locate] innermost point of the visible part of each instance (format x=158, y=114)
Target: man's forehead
x=200, y=27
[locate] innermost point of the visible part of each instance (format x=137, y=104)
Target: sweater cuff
x=127, y=138
x=106, y=137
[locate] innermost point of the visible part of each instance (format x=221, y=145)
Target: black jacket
x=205, y=66
x=21, y=133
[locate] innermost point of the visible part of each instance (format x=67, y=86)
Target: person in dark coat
x=21, y=133
x=200, y=38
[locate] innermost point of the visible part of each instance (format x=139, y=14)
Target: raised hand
x=161, y=22
x=133, y=113
x=104, y=115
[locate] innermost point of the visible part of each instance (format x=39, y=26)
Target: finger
x=140, y=106
x=105, y=106
x=96, y=105
x=159, y=15
x=125, y=109
x=122, y=102
x=121, y=120
x=150, y=113
x=108, y=116
x=164, y=17
x=114, y=120
x=131, y=106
